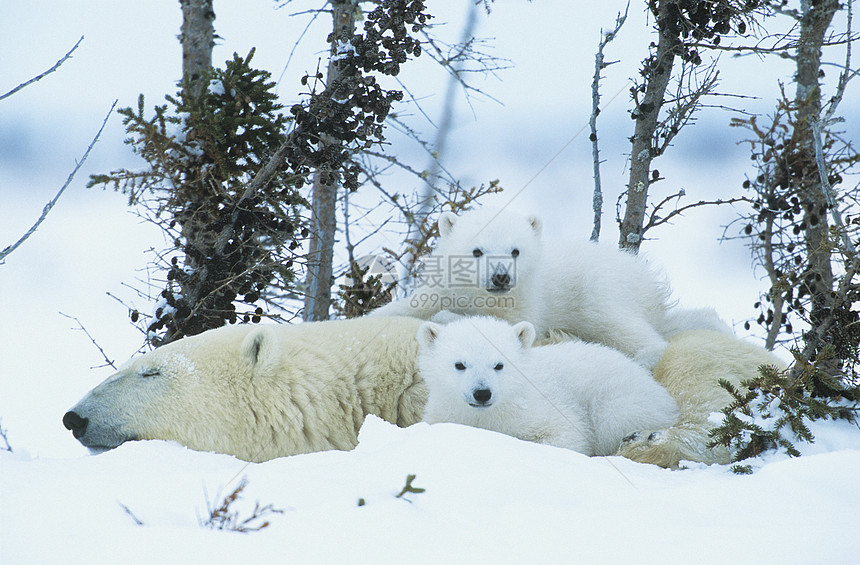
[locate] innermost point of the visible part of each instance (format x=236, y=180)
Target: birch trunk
x=324, y=194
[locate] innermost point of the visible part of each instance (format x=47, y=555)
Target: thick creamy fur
x=259, y=392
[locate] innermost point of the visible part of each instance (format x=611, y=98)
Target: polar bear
x=690, y=370
x=484, y=372
x=491, y=262
x=260, y=391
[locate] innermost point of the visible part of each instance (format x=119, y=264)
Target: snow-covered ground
x=487, y=498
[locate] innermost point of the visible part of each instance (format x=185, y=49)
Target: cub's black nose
x=482, y=395
x=501, y=280
x=76, y=424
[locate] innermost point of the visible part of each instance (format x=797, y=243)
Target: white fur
x=690, y=370
x=259, y=392
x=483, y=372
x=597, y=293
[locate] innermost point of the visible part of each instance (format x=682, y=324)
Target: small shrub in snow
x=771, y=411
x=223, y=517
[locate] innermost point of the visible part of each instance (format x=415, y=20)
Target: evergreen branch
x=53, y=201
x=43, y=75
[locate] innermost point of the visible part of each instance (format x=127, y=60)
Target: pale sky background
x=534, y=139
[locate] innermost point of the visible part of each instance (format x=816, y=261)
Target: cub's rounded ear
x=535, y=223
x=259, y=347
x=525, y=332
x=446, y=223
x=427, y=333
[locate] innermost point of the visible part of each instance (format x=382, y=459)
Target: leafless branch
x=316, y=14
x=3, y=432
x=108, y=362
x=687, y=101
x=828, y=190
x=53, y=201
x=599, y=65
x=655, y=220
x=56, y=66
x=844, y=77
x=128, y=511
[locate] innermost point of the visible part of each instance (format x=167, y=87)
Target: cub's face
x=475, y=362
x=491, y=251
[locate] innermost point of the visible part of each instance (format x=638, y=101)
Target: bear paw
x=643, y=437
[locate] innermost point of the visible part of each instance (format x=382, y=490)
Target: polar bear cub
x=484, y=372
x=495, y=263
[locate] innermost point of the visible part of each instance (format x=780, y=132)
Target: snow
x=216, y=87
x=342, y=50
x=488, y=498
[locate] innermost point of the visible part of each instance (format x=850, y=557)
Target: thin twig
x=81, y=327
x=599, y=65
x=128, y=511
x=50, y=204
x=654, y=220
x=827, y=190
x=3, y=432
x=43, y=75
x=845, y=76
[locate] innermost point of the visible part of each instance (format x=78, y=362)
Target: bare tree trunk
x=658, y=73
x=197, y=37
x=324, y=194
x=815, y=20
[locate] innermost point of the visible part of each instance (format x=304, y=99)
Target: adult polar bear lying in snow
x=262, y=391
x=483, y=372
x=494, y=263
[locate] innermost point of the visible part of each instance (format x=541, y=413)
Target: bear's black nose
x=76, y=424
x=482, y=395
x=501, y=280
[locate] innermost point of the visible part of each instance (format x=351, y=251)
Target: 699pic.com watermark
x=442, y=276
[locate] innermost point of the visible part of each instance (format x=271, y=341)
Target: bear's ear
x=525, y=333
x=427, y=333
x=535, y=223
x=259, y=346
x=446, y=223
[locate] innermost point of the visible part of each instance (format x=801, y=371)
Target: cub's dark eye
x=477, y=252
x=459, y=366
x=499, y=367
x=515, y=253
x=149, y=373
